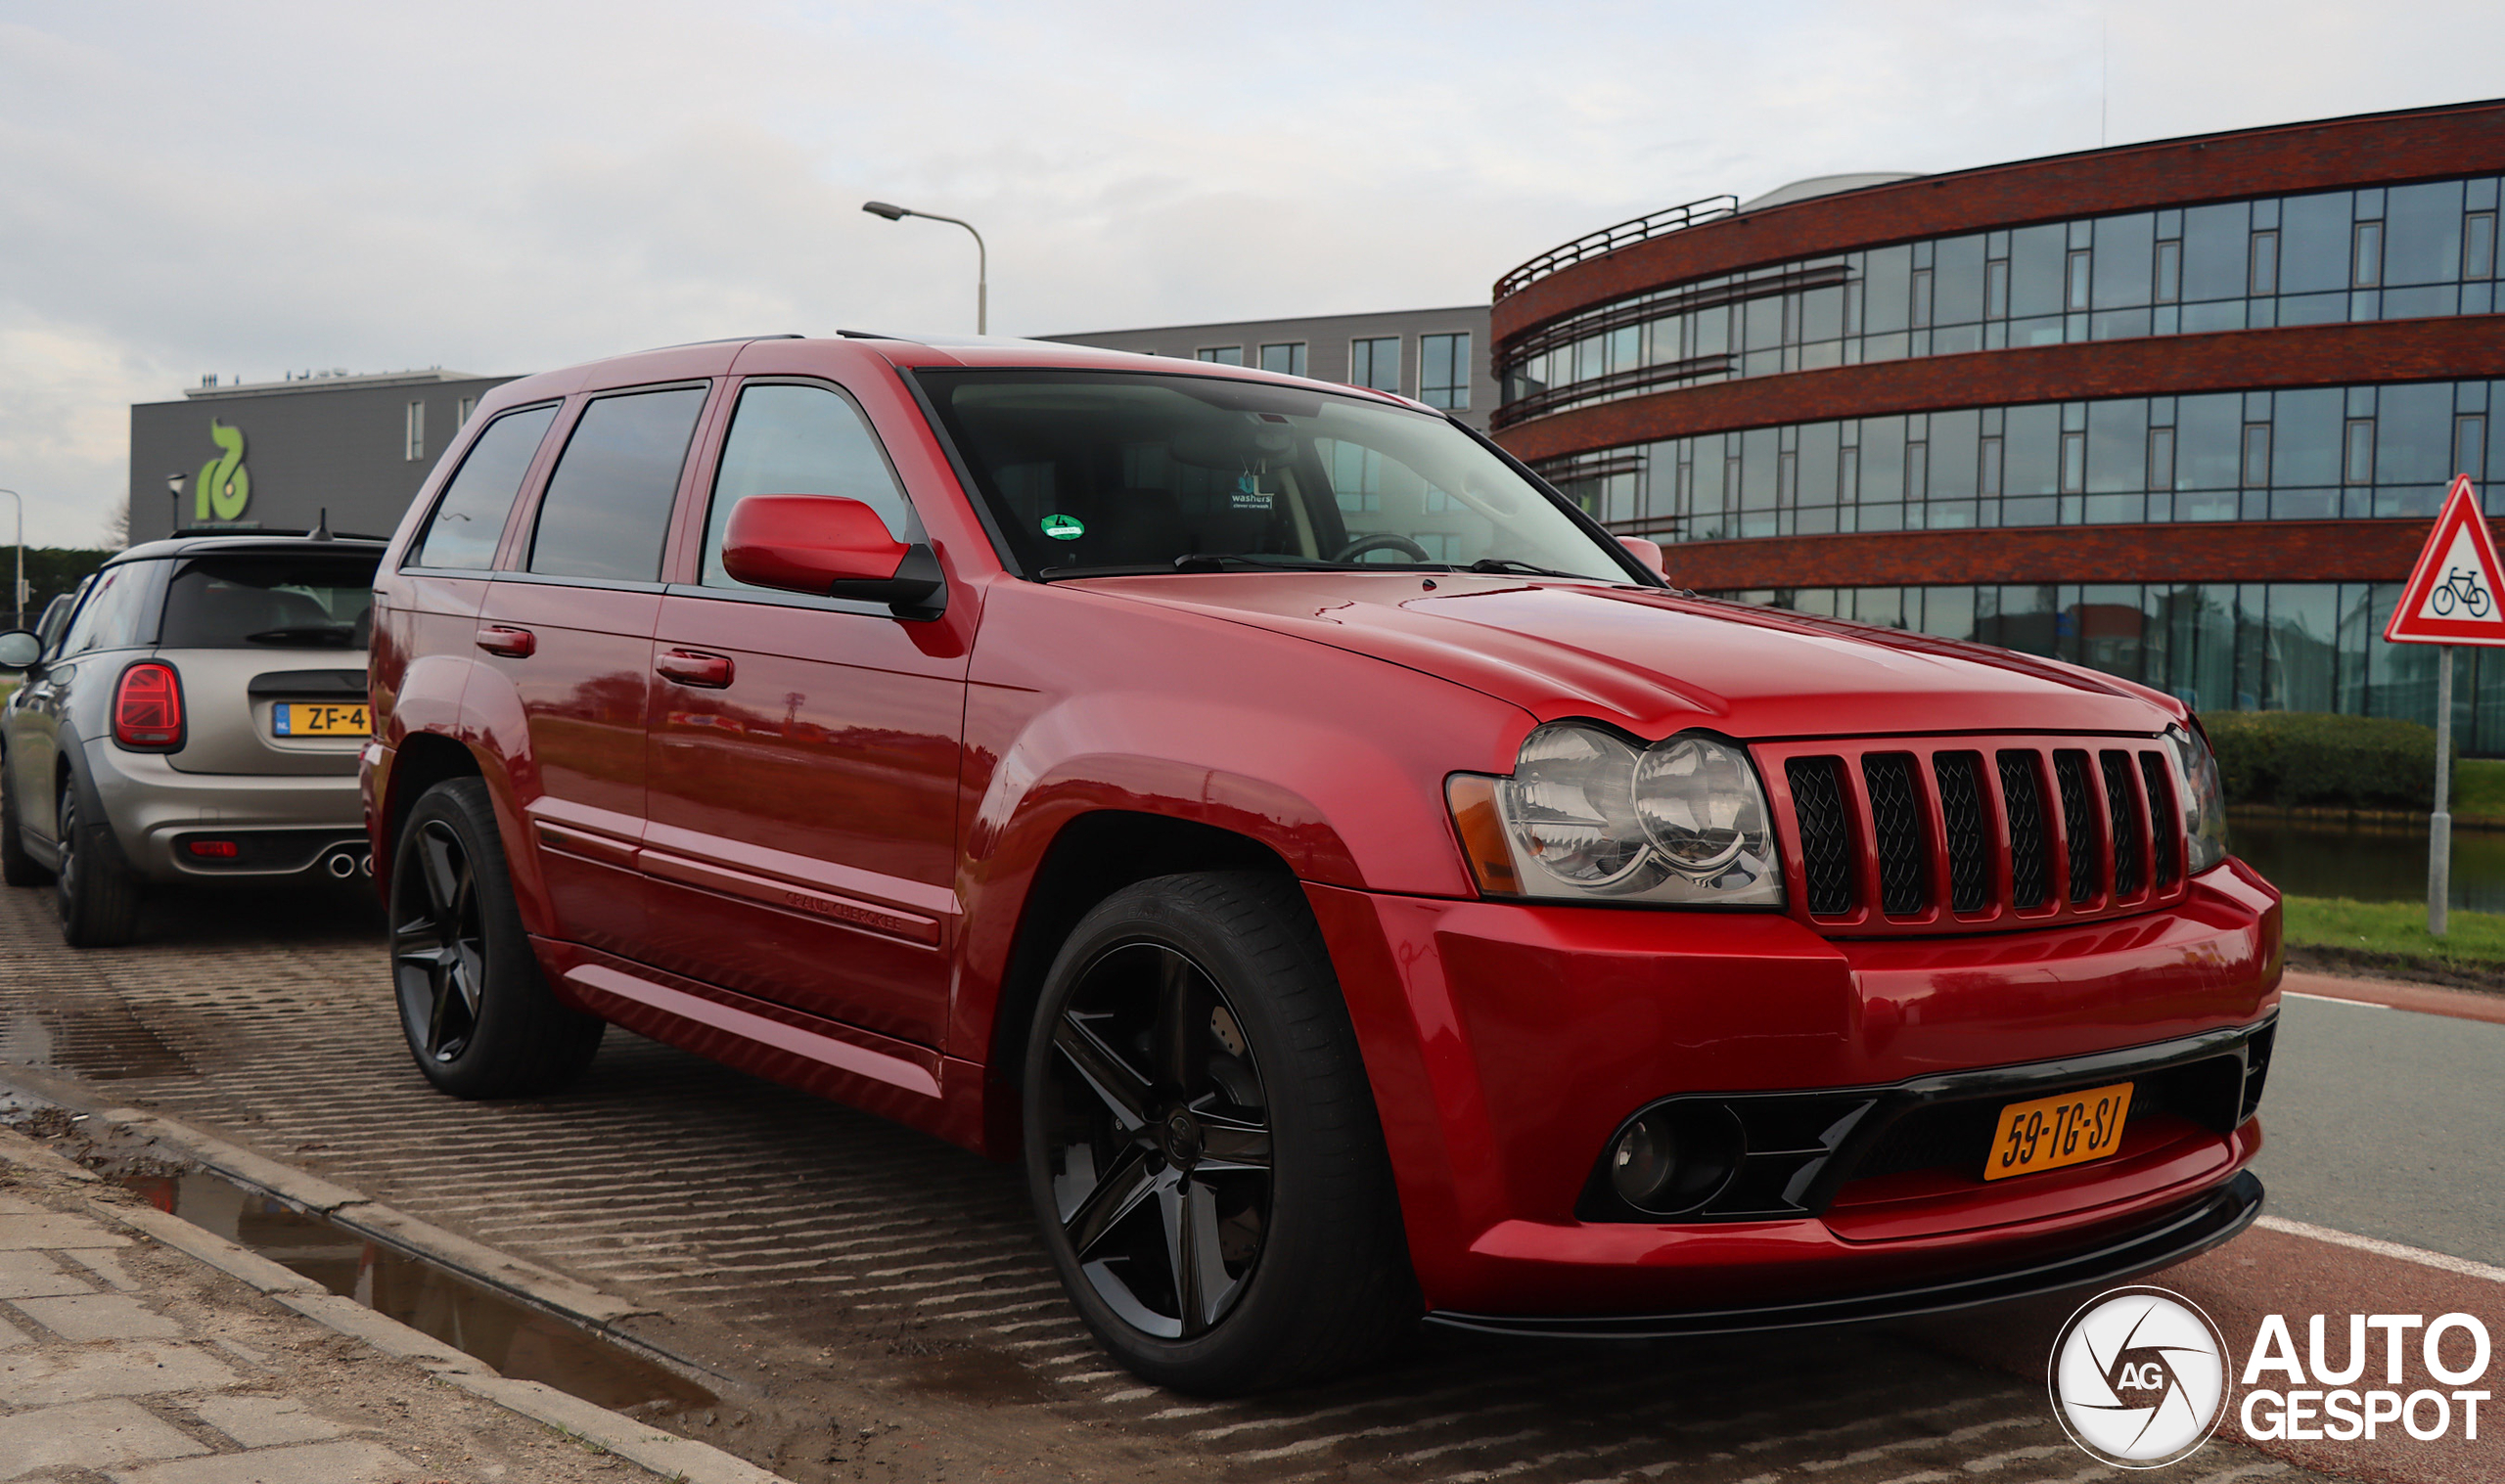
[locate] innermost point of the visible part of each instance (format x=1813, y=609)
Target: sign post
x=2450, y=599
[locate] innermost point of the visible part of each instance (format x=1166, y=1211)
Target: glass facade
x=2307, y=454
x=2254, y=646
x=2383, y=253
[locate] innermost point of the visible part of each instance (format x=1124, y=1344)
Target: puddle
x=104, y=1044
x=520, y=1341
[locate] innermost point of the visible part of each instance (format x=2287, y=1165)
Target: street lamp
x=18, y=594
x=174, y=487
x=983, y=258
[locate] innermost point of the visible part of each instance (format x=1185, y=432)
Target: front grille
x=2030, y=841
x=1961, y=813
x=1897, y=824
x=2070, y=769
x=2045, y=830
x=1825, y=842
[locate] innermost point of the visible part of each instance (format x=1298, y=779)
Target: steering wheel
x=1381, y=541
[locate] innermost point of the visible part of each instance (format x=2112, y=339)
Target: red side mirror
x=831, y=547
x=807, y=543
x=1647, y=551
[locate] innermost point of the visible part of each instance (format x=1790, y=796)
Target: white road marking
x=2298, y=994
x=2376, y=1244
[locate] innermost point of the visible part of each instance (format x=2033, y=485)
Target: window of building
x=1444, y=368
x=470, y=518
x=461, y=411
x=414, y=443
x=609, y=499
x=791, y=439
x=1376, y=363
x=1285, y=360
x=1222, y=355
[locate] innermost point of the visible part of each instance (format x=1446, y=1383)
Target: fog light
x=1645, y=1161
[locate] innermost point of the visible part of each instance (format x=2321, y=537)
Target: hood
x=1653, y=662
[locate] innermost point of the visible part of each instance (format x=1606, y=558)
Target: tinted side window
x=471, y=516
x=800, y=440
x=608, y=504
x=110, y=618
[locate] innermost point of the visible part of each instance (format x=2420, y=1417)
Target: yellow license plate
x=2052, y=1132
x=296, y=718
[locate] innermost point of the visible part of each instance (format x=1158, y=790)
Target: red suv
x=1355, y=885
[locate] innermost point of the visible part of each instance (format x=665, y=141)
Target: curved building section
x=2181, y=411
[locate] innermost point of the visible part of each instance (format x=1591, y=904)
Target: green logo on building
x=224, y=486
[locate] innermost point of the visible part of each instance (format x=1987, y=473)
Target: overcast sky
x=250, y=188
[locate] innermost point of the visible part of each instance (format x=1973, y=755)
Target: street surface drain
x=521, y=1342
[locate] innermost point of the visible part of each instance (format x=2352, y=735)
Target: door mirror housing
x=19, y=649
x=1647, y=551
x=830, y=546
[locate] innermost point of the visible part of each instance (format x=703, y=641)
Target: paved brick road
x=842, y=1274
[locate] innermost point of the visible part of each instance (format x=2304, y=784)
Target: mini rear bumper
x=2182, y=1233
x=282, y=825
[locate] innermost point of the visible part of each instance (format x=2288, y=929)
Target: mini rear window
x=270, y=603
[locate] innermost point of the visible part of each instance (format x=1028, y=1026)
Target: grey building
x=274, y=455
x=1440, y=356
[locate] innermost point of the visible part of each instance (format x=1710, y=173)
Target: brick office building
x=2180, y=411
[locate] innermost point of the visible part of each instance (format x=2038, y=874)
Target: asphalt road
x=2387, y=1124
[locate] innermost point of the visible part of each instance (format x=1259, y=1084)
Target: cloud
x=272, y=186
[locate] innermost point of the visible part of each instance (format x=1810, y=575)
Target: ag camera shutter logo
x=2139, y=1378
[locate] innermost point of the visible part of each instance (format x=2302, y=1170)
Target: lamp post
x=174, y=487
x=983, y=257
x=18, y=594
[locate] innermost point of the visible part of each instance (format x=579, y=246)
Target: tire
x=479, y=1018
x=95, y=890
x=1200, y=1141
x=17, y=867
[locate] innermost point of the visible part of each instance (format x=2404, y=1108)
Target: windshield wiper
x=1525, y=568
x=339, y=634
x=1219, y=562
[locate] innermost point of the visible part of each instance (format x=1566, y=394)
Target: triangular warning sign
x=2452, y=596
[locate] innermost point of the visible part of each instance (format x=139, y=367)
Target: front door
x=804, y=755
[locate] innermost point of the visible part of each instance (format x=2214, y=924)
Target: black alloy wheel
x=1202, y=1146
x=1163, y=1184
x=439, y=942
x=96, y=893
x=479, y=1018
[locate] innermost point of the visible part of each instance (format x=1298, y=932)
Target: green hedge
x=2307, y=757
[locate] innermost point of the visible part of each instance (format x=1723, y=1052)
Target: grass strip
x=2395, y=928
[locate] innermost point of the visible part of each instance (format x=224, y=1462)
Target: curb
x=683, y=1460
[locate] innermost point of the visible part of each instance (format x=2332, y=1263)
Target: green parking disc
x=1063, y=527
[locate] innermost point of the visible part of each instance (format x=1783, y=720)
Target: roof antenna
x=322, y=525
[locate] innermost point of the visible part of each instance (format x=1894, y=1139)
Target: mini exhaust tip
x=341, y=865
x=365, y=864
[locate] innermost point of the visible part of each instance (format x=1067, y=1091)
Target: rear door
x=572, y=633
x=803, y=791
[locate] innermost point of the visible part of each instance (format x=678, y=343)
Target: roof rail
x=1611, y=238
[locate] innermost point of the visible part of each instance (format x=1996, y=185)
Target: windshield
x=1089, y=471
x=262, y=602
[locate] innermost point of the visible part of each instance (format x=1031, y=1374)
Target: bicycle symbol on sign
x=2461, y=589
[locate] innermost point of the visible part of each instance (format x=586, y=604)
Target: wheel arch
x=422, y=760
x=1090, y=857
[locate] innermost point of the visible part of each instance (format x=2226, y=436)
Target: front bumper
x=1507, y=1042
x=289, y=822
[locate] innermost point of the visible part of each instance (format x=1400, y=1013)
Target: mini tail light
x=221, y=850
x=147, y=709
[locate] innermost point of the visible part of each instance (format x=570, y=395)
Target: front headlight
x=2204, y=799
x=1587, y=816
